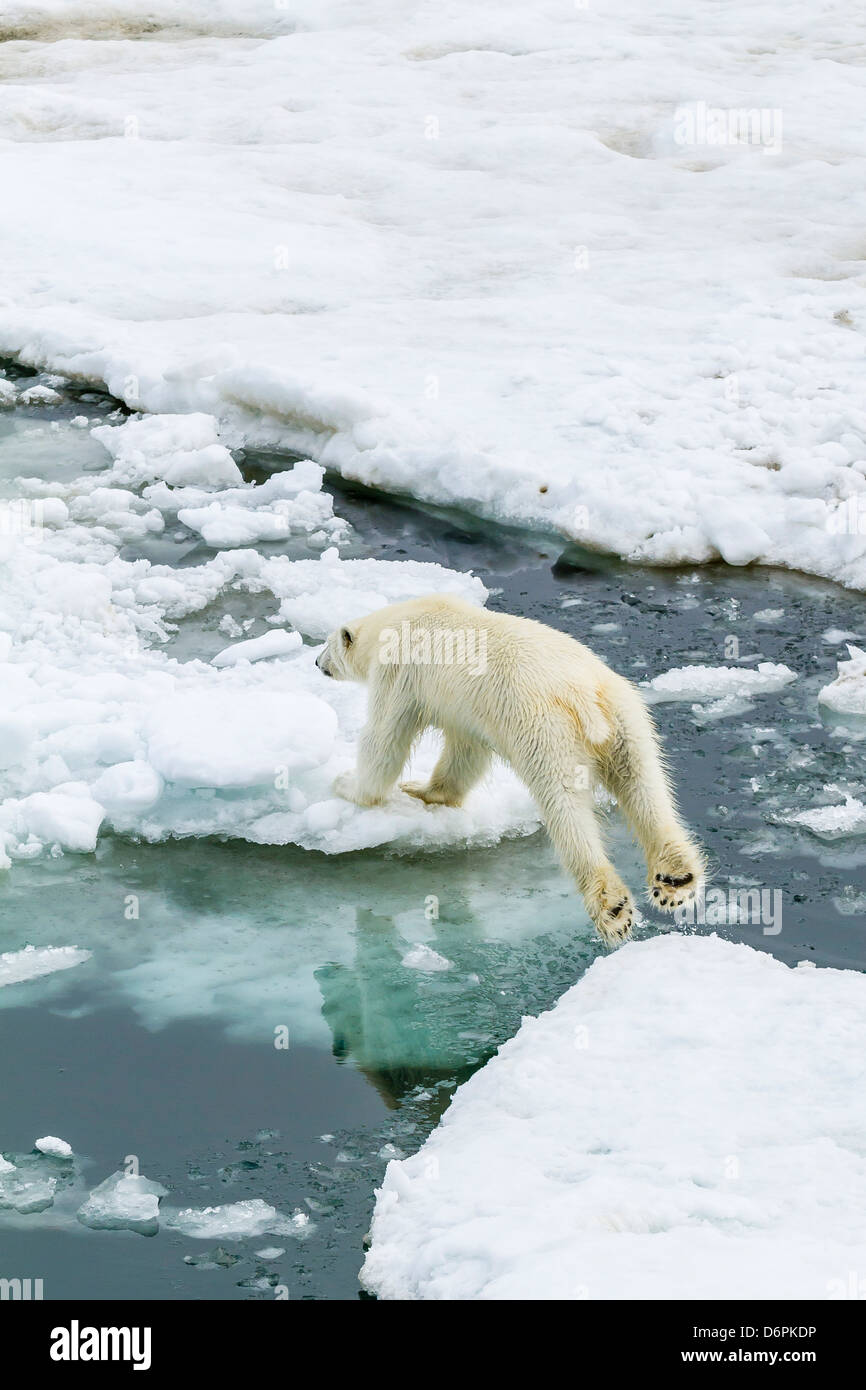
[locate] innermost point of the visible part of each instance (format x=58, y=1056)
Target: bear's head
x=340, y=655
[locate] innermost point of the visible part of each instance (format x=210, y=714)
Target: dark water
x=161, y=1046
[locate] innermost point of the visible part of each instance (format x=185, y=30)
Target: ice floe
x=719, y=691
x=123, y=1202
x=834, y=822
x=382, y=295
x=104, y=728
x=239, y=1220
x=54, y=1147
x=34, y=961
x=655, y=1135
x=847, y=693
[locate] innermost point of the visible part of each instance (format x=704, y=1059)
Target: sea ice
x=833, y=822
x=847, y=693
x=626, y=1145
x=124, y=1201
x=55, y=1148
x=421, y=957
x=237, y=1221
x=33, y=961
x=718, y=682
x=383, y=295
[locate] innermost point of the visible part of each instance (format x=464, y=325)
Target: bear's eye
x=347, y=637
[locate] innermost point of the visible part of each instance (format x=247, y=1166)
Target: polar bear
x=498, y=684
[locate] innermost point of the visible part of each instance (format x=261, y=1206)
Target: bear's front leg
x=383, y=749
x=349, y=788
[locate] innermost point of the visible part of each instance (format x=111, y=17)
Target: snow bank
x=685, y=1123
x=103, y=728
x=847, y=693
x=380, y=292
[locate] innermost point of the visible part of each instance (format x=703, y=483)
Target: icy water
x=161, y=1046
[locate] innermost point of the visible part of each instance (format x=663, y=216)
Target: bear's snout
x=323, y=669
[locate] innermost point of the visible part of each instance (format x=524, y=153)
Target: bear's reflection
x=390, y=1019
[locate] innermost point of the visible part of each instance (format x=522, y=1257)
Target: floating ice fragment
x=276, y=643
x=33, y=961
x=422, y=957
x=715, y=682
x=56, y=1148
x=847, y=693
x=236, y=1221
x=833, y=822
x=123, y=1201
x=25, y=1194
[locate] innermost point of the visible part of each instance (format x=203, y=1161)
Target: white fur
x=540, y=700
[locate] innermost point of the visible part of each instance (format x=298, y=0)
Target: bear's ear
x=346, y=637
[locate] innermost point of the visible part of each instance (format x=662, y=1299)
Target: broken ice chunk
x=56, y=1148
x=123, y=1202
x=23, y=1193
x=276, y=643
x=237, y=1221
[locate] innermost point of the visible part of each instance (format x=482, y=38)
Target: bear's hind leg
x=572, y=826
x=462, y=763
x=384, y=747
x=631, y=768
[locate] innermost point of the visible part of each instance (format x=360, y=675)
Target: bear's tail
x=592, y=714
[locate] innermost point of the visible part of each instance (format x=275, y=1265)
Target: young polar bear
x=549, y=706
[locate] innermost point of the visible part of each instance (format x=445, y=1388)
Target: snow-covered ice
x=834, y=822
x=719, y=690
x=847, y=693
x=685, y=1123
x=441, y=250
x=54, y=1147
x=104, y=728
x=34, y=961
x=716, y=682
x=239, y=1220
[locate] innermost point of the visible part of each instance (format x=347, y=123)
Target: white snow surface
x=510, y=259
x=686, y=1122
